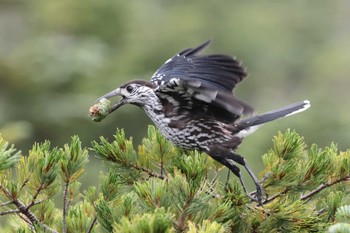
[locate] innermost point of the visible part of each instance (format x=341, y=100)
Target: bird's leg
x=224, y=155
x=240, y=160
x=233, y=168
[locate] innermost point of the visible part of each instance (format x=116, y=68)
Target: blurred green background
x=57, y=57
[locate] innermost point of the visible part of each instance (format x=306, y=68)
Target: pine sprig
x=72, y=167
x=343, y=213
x=158, y=221
x=342, y=219
x=156, y=148
x=159, y=188
x=9, y=156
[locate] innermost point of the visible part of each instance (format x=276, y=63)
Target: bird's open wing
x=206, y=80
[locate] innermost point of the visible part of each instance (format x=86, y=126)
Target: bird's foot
x=257, y=195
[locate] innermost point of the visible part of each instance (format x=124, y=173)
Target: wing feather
x=203, y=79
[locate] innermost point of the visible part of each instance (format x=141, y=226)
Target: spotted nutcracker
x=190, y=100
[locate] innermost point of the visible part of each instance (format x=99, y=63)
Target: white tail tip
x=306, y=104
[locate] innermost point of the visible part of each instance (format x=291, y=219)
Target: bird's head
x=137, y=92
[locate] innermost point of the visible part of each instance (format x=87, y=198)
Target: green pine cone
x=100, y=110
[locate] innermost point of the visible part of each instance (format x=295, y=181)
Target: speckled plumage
x=190, y=100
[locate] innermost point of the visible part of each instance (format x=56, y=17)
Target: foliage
x=342, y=217
x=8, y=156
x=57, y=57
x=159, y=188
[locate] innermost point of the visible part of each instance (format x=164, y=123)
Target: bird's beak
x=110, y=95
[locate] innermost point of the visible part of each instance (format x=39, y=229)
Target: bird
x=190, y=100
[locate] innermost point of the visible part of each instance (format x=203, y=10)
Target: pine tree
x=157, y=187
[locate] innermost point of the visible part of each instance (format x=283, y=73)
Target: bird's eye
x=129, y=89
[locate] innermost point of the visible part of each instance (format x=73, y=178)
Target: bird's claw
x=257, y=195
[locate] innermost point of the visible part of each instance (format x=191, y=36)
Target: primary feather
x=203, y=80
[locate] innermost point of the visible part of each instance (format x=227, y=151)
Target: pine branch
x=41, y=187
x=321, y=211
x=181, y=222
x=161, y=167
x=72, y=167
x=310, y=194
x=161, y=162
x=93, y=223
x=23, y=217
x=22, y=209
x=9, y=212
x=24, y=183
x=323, y=186
x=148, y=171
x=275, y=196
x=65, y=207
x=6, y=203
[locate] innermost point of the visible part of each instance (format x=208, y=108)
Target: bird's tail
x=249, y=125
